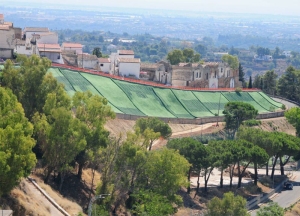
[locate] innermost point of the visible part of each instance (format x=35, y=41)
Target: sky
x=280, y=7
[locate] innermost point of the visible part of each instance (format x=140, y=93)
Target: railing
x=144, y=82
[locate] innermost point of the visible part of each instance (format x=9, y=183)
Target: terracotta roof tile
x=126, y=52
x=104, y=60
x=72, y=45
x=129, y=60
x=36, y=29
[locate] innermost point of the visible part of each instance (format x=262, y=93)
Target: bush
x=283, y=107
x=252, y=122
x=238, y=90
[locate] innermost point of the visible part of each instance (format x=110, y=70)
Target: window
x=207, y=76
x=221, y=70
x=200, y=75
x=197, y=75
x=101, y=65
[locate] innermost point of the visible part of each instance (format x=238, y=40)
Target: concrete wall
x=6, y=53
x=48, y=39
x=22, y=49
x=126, y=69
x=7, y=39
x=198, y=121
x=106, y=67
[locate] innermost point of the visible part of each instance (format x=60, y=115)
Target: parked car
x=288, y=186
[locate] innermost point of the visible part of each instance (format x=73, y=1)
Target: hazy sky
x=283, y=7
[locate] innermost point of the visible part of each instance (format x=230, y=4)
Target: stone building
x=207, y=75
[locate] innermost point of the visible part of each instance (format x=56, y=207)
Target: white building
x=129, y=67
x=47, y=38
x=28, y=32
x=25, y=47
x=87, y=61
x=104, y=65
x=77, y=47
x=287, y=53
x=51, y=51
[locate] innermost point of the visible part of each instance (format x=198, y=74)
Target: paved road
x=285, y=198
x=286, y=103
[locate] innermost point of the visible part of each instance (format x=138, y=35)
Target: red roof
x=49, y=48
x=126, y=52
x=1, y=16
x=72, y=45
x=104, y=60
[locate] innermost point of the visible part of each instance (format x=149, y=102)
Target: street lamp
x=101, y=196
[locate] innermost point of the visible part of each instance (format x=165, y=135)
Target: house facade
x=28, y=32
x=50, y=51
x=129, y=67
x=87, y=61
x=207, y=75
x=77, y=47
x=8, y=37
x=105, y=65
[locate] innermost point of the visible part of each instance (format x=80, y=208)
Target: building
x=128, y=67
x=8, y=36
x=207, y=75
x=105, y=65
x=287, y=53
x=50, y=51
x=87, y=61
x=28, y=32
x=263, y=58
x=77, y=47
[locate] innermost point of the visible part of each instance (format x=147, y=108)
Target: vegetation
x=235, y=113
x=17, y=158
x=187, y=55
x=272, y=209
x=230, y=205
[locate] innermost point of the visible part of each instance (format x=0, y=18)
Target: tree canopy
x=17, y=158
x=232, y=61
x=186, y=55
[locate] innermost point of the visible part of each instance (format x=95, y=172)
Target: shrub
x=238, y=90
x=252, y=122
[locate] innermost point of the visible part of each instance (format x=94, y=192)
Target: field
x=143, y=100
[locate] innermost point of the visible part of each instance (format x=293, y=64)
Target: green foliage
x=288, y=84
x=26, y=82
x=230, y=205
x=152, y=204
x=16, y=156
x=293, y=117
x=252, y=122
x=232, y=61
x=151, y=129
x=187, y=55
x=97, y=52
x=235, y=113
x=241, y=73
x=238, y=90
x=269, y=82
x=272, y=209
x=250, y=82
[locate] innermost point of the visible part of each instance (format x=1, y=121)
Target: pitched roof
x=125, y=52
x=104, y=60
x=145, y=65
x=72, y=45
x=129, y=60
x=49, y=47
x=36, y=29
x=86, y=56
x=4, y=27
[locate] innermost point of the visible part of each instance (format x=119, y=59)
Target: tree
x=293, y=117
x=232, y=61
x=16, y=156
x=230, y=205
x=288, y=84
x=235, y=113
x=26, y=81
x=241, y=73
x=97, y=52
x=175, y=56
x=201, y=49
x=269, y=80
x=92, y=111
x=250, y=83
x=193, y=151
x=151, y=129
x=272, y=209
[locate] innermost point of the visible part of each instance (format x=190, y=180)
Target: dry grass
x=68, y=205
x=26, y=200
x=294, y=211
x=87, y=178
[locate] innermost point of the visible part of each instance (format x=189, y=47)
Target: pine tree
x=250, y=83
